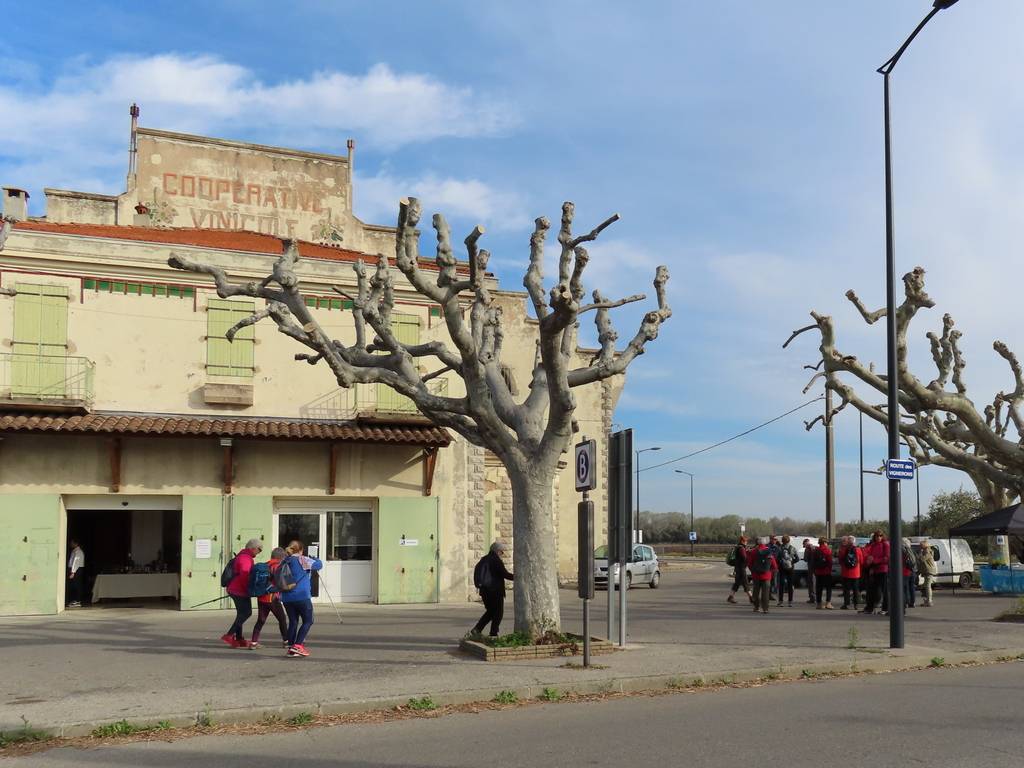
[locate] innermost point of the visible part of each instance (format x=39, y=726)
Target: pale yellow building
x=129, y=422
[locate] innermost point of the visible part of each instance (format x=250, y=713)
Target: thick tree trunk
x=535, y=553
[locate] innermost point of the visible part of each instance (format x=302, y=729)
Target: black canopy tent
x=1008, y=521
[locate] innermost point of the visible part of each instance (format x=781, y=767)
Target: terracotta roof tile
x=272, y=429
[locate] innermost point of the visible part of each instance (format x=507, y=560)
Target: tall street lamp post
x=895, y=523
x=636, y=525
x=690, y=475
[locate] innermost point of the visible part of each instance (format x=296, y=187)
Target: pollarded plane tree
x=527, y=435
x=940, y=426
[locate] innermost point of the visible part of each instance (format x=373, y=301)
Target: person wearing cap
x=489, y=577
x=270, y=603
x=238, y=591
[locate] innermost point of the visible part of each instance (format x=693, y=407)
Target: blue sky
x=741, y=142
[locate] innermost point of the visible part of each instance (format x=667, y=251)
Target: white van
x=956, y=567
x=800, y=569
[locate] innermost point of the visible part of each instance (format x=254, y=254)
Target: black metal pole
x=917, y=478
x=861, y=466
x=691, y=514
x=895, y=519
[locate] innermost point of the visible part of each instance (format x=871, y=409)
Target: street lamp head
x=655, y=448
x=943, y=4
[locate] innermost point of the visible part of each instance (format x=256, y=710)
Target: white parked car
x=642, y=567
x=955, y=567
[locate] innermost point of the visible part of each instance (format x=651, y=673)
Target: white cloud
x=77, y=125
x=376, y=199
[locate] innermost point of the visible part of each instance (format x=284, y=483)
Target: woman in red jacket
x=876, y=556
x=823, y=574
x=238, y=591
x=851, y=559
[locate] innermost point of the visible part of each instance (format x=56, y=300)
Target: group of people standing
x=285, y=593
x=772, y=566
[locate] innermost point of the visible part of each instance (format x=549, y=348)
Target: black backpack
x=228, y=573
x=851, y=557
x=762, y=561
x=482, y=573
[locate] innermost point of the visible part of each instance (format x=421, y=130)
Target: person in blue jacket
x=297, y=601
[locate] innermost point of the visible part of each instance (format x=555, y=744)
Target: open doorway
x=132, y=556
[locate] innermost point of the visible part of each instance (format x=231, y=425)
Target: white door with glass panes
x=349, y=553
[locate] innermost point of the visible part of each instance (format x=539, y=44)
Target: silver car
x=642, y=568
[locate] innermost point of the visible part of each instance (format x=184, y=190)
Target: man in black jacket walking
x=489, y=577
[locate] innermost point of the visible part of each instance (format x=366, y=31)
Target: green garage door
x=202, y=538
x=407, y=550
x=252, y=517
x=29, y=574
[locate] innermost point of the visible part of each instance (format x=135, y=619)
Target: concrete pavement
x=944, y=718
x=71, y=672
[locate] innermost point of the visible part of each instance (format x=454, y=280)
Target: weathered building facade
x=130, y=423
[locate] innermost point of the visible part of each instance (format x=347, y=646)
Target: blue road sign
x=693, y=535
x=900, y=469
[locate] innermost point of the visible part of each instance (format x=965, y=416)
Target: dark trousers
x=851, y=588
x=810, y=585
x=741, y=580
x=265, y=609
x=823, y=584
x=243, y=610
x=785, y=584
x=878, y=592
x=494, y=605
x=909, y=589
x=761, y=594
x=75, y=586
x=299, y=611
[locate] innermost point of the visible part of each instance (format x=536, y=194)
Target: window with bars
x=130, y=288
x=229, y=358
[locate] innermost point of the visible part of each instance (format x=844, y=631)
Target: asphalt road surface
x=941, y=718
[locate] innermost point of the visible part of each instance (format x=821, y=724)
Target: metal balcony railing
x=366, y=400
x=44, y=380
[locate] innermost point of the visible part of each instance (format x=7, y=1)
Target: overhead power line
x=734, y=437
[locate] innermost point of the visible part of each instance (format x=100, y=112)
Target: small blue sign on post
x=693, y=535
x=900, y=469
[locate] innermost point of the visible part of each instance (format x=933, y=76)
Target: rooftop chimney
x=15, y=204
x=133, y=146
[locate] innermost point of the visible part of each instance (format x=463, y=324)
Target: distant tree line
x=946, y=510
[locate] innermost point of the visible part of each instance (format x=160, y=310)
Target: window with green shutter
x=407, y=330
x=40, y=343
x=229, y=358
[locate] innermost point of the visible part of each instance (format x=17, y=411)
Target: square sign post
x=585, y=465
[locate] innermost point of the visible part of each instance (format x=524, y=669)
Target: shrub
x=303, y=718
x=937, y=661
x=423, y=704
x=550, y=694
x=506, y=697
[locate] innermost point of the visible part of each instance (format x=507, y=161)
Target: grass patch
x=303, y=718
x=772, y=676
x=204, y=719
x=521, y=639
x=506, y=697
x=550, y=694
x=577, y=665
x=807, y=674
x=24, y=735
x=424, y=704
x=120, y=728
x=852, y=638
x=937, y=661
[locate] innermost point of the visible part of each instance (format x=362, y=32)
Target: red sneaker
x=229, y=639
x=300, y=650
x=241, y=643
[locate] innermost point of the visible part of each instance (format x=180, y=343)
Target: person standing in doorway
x=762, y=570
x=823, y=575
x=270, y=603
x=737, y=558
x=489, y=576
x=238, y=591
x=787, y=558
x=851, y=559
x=928, y=570
x=298, y=597
x=76, y=574
x=809, y=550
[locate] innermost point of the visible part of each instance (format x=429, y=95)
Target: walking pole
x=216, y=599
x=335, y=606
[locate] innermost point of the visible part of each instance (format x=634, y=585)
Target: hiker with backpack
x=822, y=574
x=876, y=557
x=235, y=579
x=809, y=550
x=787, y=558
x=268, y=599
x=292, y=580
x=762, y=566
x=489, y=577
x=928, y=570
x=851, y=560
x=909, y=574
x=737, y=558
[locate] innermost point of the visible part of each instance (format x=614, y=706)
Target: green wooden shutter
x=40, y=344
x=30, y=576
x=229, y=358
x=407, y=330
x=201, y=519
x=408, y=550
